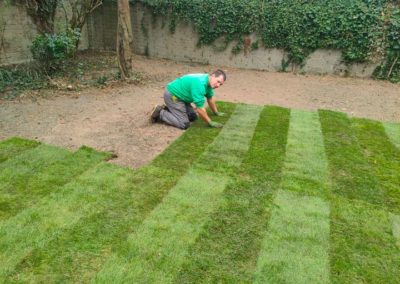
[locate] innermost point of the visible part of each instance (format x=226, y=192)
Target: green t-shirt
x=191, y=88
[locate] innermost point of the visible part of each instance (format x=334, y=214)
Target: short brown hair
x=218, y=73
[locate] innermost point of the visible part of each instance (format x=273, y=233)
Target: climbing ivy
x=361, y=29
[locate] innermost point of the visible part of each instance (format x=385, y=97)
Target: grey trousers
x=178, y=113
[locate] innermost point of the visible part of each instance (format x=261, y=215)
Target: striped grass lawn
x=276, y=196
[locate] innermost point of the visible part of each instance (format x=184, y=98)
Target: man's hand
x=218, y=113
x=214, y=124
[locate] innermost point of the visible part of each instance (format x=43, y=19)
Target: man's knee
x=184, y=125
x=192, y=116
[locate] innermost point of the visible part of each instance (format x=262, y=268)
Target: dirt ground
x=115, y=118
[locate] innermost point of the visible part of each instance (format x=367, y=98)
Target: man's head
x=217, y=79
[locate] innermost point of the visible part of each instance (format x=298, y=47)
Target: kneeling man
x=182, y=92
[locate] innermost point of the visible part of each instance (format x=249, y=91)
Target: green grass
x=296, y=247
x=296, y=244
x=363, y=244
x=384, y=158
x=14, y=146
x=393, y=131
x=276, y=196
x=305, y=169
x=228, y=246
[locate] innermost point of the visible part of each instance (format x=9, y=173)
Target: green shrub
x=49, y=50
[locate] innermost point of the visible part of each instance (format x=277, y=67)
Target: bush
x=49, y=50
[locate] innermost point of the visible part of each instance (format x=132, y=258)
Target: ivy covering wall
x=364, y=30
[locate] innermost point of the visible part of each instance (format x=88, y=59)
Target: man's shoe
x=155, y=114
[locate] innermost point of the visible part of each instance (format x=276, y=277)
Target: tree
x=124, y=39
x=42, y=13
x=80, y=10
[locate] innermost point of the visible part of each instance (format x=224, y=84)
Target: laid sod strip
x=363, y=248
x=393, y=132
x=88, y=243
x=15, y=174
x=384, y=158
x=35, y=227
x=14, y=146
x=306, y=168
x=296, y=249
x=296, y=246
x=226, y=152
x=226, y=251
x=351, y=174
x=26, y=178
x=157, y=250
x=396, y=227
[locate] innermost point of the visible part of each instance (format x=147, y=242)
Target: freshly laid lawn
x=275, y=196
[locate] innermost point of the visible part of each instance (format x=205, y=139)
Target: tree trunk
x=124, y=39
x=42, y=13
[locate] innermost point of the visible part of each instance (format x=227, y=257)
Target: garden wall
x=152, y=37
x=17, y=31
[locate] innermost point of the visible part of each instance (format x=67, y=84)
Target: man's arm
x=203, y=114
x=212, y=104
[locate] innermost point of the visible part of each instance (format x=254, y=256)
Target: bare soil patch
x=115, y=118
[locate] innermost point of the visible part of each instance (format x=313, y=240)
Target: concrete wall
x=17, y=32
x=153, y=38
x=102, y=27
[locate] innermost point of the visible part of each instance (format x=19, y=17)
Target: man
x=182, y=92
